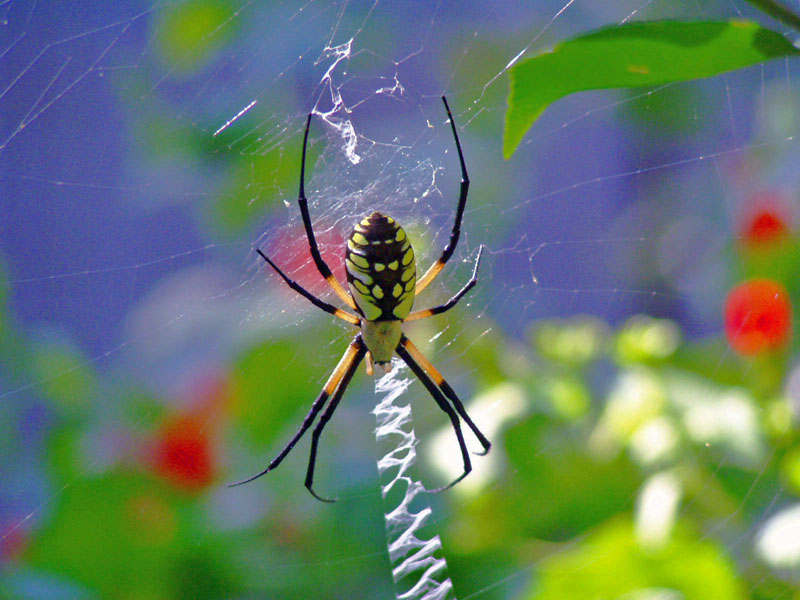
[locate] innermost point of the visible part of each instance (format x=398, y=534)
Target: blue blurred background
x=148, y=359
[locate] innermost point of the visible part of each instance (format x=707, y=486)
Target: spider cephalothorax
x=382, y=279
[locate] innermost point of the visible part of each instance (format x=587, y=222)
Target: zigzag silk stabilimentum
x=418, y=574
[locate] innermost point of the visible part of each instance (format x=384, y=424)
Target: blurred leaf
x=64, y=453
x=569, y=397
x=644, y=339
x=573, y=341
x=164, y=140
x=189, y=32
x=115, y=533
x=257, y=182
x=712, y=360
x=790, y=470
x=751, y=491
x=610, y=564
x=779, y=261
x=65, y=376
x=487, y=354
x=557, y=492
x=633, y=55
x=198, y=575
x=277, y=383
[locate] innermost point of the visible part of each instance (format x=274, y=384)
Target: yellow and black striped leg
x=328, y=413
x=429, y=312
x=322, y=266
x=436, y=267
x=328, y=308
x=442, y=402
x=345, y=367
x=436, y=376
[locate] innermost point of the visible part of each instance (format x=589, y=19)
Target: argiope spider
x=381, y=275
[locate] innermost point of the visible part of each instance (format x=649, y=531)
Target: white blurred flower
x=655, y=441
x=778, y=543
x=656, y=509
x=637, y=396
x=730, y=419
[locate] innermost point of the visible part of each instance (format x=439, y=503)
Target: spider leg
x=436, y=267
x=328, y=413
x=429, y=312
x=322, y=266
x=328, y=308
x=344, y=368
x=442, y=402
x=448, y=391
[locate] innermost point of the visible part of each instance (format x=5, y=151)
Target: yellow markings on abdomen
x=359, y=260
x=381, y=271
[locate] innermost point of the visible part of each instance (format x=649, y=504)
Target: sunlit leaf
x=633, y=55
x=611, y=564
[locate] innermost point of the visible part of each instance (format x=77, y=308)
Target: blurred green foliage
x=188, y=33
x=611, y=563
x=103, y=526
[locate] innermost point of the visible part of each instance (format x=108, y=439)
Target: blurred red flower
x=184, y=449
x=758, y=316
x=183, y=453
x=291, y=253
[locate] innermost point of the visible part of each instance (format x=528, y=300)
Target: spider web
x=144, y=152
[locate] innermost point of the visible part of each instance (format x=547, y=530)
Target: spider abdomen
x=381, y=270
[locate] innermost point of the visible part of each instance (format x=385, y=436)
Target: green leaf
x=125, y=535
x=634, y=55
x=609, y=563
x=114, y=533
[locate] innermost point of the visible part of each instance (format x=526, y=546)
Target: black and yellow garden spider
x=382, y=277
